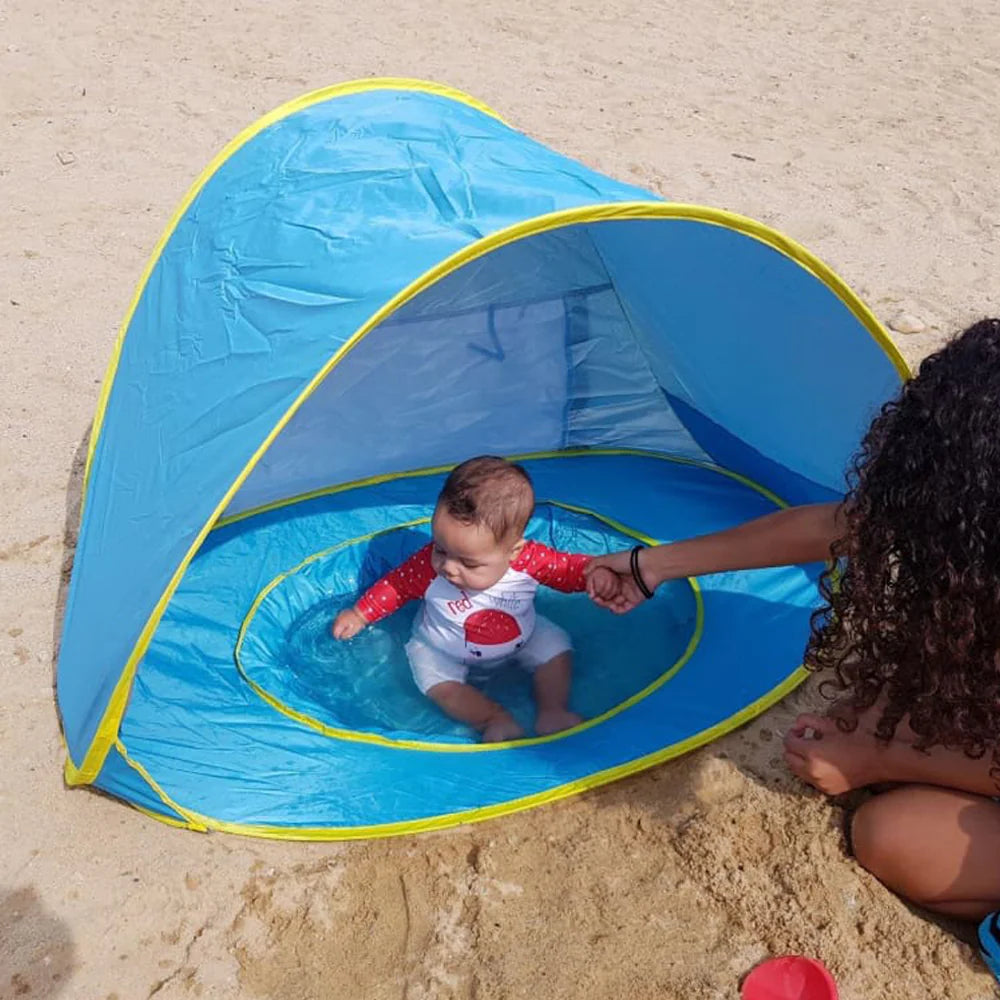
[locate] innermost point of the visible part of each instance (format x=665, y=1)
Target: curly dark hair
x=913, y=620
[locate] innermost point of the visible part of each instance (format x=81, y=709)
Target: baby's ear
x=518, y=548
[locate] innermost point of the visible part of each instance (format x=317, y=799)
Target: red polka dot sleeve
x=558, y=570
x=408, y=582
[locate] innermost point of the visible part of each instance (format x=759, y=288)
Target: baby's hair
x=492, y=492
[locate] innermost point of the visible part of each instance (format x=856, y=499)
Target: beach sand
x=866, y=131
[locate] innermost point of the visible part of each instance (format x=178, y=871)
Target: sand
x=867, y=131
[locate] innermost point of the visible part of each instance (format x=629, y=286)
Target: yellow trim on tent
x=447, y=820
x=180, y=824
x=389, y=477
x=283, y=111
x=107, y=728
x=192, y=823
x=359, y=736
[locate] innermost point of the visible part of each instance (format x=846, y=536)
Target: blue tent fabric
x=374, y=283
x=279, y=260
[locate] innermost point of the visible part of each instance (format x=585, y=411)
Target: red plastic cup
x=791, y=977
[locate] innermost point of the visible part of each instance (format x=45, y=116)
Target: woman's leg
x=936, y=847
x=935, y=840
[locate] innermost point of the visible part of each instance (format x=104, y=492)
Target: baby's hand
x=348, y=624
x=603, y=584
x=611, y=590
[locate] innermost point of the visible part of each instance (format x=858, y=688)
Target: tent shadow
x=386, y=551
x=38, y=956
x=71, y=528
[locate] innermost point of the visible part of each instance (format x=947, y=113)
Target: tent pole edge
x=447, y=820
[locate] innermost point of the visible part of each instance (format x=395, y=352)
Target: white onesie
x=459, y=628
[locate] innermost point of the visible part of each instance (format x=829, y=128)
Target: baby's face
x=467, y=555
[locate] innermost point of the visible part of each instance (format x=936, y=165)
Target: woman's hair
x=913, y=617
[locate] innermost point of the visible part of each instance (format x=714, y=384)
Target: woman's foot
x=822, y=755
x=555, y=720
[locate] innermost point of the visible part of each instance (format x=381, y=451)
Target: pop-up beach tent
x=369, y=285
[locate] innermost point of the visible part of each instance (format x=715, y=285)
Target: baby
x=477, y=580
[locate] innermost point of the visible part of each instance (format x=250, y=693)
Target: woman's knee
x=889, y=840
x=932, y=846
x=876, y=838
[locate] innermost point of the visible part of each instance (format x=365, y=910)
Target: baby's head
x=479, y=521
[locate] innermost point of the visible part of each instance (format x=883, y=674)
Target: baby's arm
x=407, y=582
x=565, y=571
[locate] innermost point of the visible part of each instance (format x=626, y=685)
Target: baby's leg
x=552, y=683
x=442, y=679
x=468, y=705
x=936, y=847
x=549, y=657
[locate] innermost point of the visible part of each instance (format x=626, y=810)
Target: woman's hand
x=610, y=584
x=603, y=583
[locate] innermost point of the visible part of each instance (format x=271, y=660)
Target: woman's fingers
x=617, y=562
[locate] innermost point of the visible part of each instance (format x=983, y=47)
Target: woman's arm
x=794, y=535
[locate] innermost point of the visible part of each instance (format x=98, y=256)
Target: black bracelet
x=637, y=576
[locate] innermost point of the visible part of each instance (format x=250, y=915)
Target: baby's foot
x=555, y=720
x=501, y=729
x=819, y=753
